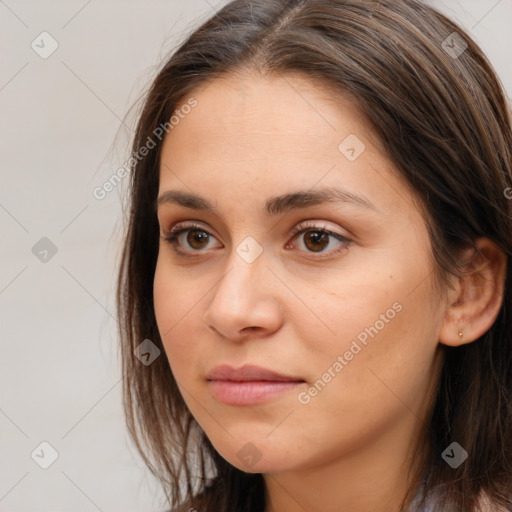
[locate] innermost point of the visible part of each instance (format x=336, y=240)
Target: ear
x=476, y=300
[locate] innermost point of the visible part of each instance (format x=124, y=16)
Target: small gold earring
x=460, y=333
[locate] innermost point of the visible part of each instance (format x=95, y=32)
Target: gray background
x=62, y=136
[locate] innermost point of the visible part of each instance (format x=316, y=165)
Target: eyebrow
x=274, y=205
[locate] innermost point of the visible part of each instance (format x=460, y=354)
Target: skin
x=294, y=310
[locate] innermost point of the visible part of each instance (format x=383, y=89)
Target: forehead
x=282, y=131
x=255, y=114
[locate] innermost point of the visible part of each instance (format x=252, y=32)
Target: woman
x=319, y=248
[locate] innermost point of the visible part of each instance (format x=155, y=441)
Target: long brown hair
x=442, y=117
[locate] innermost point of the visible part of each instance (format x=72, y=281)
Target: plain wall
x=59, y=369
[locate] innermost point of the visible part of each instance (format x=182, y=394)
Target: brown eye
x=189, y=238
x=320, y=240
x=197, y=239
x=316, y=240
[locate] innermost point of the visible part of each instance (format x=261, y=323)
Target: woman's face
x=305, y=256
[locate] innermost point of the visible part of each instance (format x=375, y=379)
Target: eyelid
x=320, y=225
x=171, y=235
x=186, y=225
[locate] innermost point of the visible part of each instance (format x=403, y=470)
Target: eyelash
x=171, y=237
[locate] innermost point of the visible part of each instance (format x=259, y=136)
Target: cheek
x=175, y=305
x=363, y=306
x=382, y=359
x=382, y=340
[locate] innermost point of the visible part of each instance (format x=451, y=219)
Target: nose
x=244, y=301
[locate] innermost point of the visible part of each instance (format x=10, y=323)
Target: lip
x=248, y=372
x=249, y=384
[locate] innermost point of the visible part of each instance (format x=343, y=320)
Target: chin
x=256, y=456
